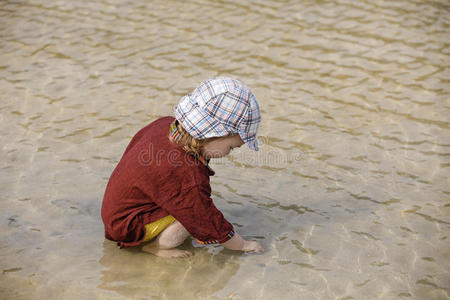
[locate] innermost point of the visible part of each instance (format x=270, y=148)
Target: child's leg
x=171, y=237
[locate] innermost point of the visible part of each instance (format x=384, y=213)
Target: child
x=160, y=193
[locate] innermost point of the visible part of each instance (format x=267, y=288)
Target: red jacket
x=155, y=178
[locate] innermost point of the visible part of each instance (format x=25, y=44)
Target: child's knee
x=179, y=233
x=173, y=236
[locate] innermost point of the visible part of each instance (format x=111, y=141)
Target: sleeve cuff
x=229, y=235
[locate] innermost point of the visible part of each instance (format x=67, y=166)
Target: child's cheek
x=220, y=153
x=227, y=151
x=215, y=153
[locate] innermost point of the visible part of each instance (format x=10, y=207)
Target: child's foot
x=166, y=253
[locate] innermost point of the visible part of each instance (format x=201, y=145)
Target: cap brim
x=252, y=142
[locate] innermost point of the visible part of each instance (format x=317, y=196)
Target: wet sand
x=349, y=193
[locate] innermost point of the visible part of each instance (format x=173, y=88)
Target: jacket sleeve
x=195, y=210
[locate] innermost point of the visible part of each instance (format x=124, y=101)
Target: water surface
x=349, y=193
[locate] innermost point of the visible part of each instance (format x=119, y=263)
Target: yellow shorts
x=155, y=228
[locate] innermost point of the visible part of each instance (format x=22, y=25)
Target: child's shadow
x=136, y=274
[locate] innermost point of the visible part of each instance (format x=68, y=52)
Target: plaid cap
x=219, y=107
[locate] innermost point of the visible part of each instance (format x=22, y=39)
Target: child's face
x=222, y=146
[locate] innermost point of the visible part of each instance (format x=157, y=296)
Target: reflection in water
x=135, y=274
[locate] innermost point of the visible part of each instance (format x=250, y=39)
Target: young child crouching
x=159, y=192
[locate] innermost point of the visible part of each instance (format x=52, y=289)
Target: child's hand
x=252, y=247
x=238, y=243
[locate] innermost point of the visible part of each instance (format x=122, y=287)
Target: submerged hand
x=252, y=247
x=238, y=243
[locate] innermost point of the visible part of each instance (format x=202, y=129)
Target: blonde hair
x=189, y=143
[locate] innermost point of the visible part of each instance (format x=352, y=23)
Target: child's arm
x=238, y=243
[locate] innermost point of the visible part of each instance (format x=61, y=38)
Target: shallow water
x=349, y=193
